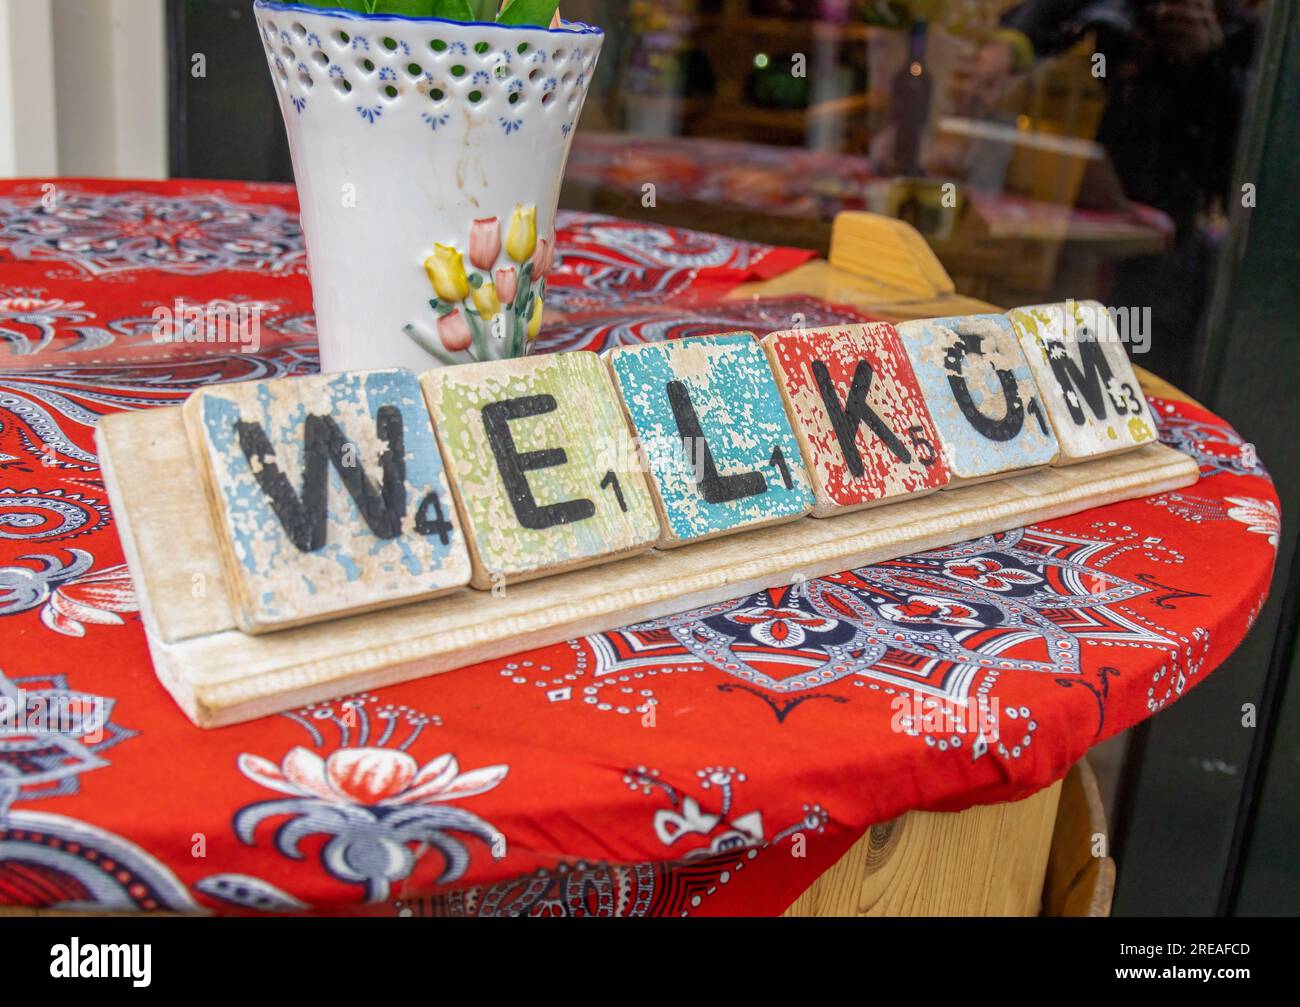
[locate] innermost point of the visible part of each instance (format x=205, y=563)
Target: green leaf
x=359, y=6
x=450, y=10
x=524, y=296
x=478, y=337
x=406, y=8
x=529, y=12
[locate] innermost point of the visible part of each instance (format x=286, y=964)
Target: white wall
x=28, y=144
x=83, y=88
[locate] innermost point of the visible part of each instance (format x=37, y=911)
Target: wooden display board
x=219, y=675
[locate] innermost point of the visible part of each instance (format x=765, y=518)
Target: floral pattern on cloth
x=715, y=761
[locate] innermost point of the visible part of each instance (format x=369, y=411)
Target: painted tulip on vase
x=523, y=233
x=506, y=282
x=485, y=242
x=429, y=139
x=453, y=332
x=501, y=310
x=446, y=271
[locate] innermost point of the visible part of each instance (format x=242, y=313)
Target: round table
x=538, y=784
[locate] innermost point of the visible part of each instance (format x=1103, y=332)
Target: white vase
x=428, y=156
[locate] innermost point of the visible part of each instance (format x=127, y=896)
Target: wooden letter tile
x=981, y=395
x=721, y=454
x=859, y=414
x=328, y=495
x=545, y=472
x=1084, y=378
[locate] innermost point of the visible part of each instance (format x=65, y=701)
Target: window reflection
x=1047, y=148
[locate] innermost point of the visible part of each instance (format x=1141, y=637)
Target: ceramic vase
x=428, y=156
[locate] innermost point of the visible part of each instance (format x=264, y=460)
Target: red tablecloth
x=540, y=783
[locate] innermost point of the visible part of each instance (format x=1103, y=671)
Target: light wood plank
x=1085, y=381
x=187, y=570
x=981, y=395
x=889, y=250
x=862, y=422
x=1080, y=876
x=885, y=301
x=544, y=470
x=989, y=860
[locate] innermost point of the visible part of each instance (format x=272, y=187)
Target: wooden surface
x=983, y=399
x=860, y=416
x=885, y=301
x=986, y=861
x=889, y=251
x=1080, y=873
x=1153, y=384
x=276, y=457
x=1087, y=384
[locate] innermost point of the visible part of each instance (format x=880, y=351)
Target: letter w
x=303, y=517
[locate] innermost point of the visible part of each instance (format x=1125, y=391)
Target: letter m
x=1088, y=378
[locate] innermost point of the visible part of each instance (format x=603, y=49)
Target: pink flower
x=32, y=306
x=95, y=598
x=506, y=283
x=1259, y=516
x=543, y=257
x=485, y=242
x=454, y=332
x=370, y=776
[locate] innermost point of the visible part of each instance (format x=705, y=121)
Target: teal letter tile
x=710, y=419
